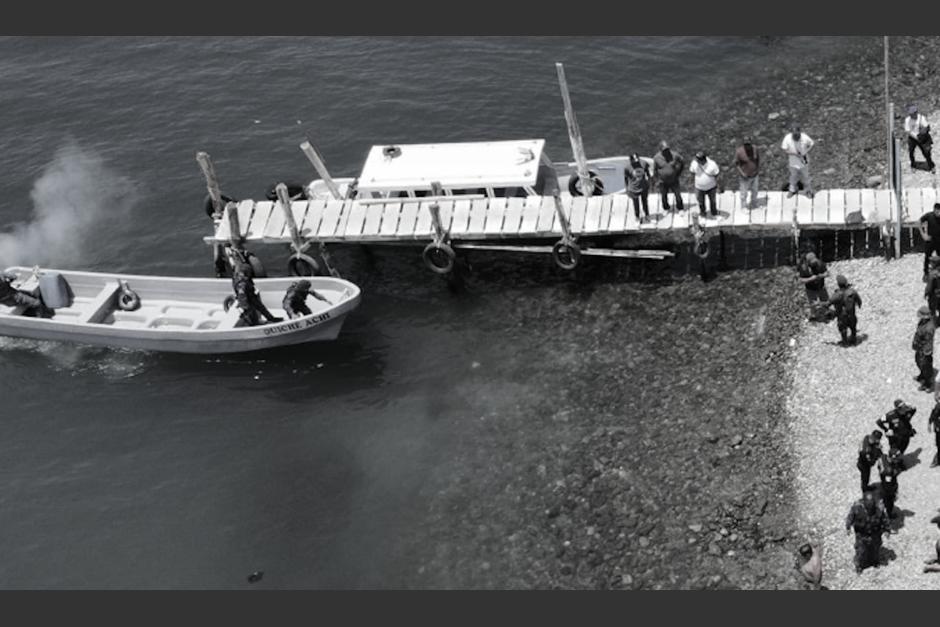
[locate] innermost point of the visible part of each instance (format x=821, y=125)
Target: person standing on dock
x=798, y=145
x=918, y=136
x=845, y=301
x=868, y=455
x=869, y=521
x=930, y=232
x=747, y=161
x=706, y=181
x=933, y=424
x=813, y=272
x=668, y=167
x=637, y=175
x=922, y=345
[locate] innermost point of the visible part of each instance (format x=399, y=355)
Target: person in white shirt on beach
x=918, y=136
x=706, y=181
x=797, y=145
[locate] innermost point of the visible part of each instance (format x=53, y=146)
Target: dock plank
x=656, y=208
x=424, y=227
x=929, y=195
x=356, y=221
x=913, y=201
x=343, y=219
x=727, y=206
x=478, y=209
x=547, y=219
x=758, y=215
x=461, y=220
x=618, y=213
x=820, y=204
x=853, y=206
x=274, y=229
x=495, y=216
x=530, y=216
x=592, y=215
x=884, y=204
x=773, y=211
x=259, y=220
x=576, y=214
x=603, y=223
x=632, y=223
x=390, y=217
x=308, y=215
x=330, y=218
x=836, y=200
x=869, y=210
x=407, y=220
x=513, y=216
x=245, y=210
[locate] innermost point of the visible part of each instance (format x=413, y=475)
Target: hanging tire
x=574, y=184
x=567, y=255
x=702, y=249
x=302, y=265
x=127, y=299
x=207, y=204
x=439, y=257
x=228, y=302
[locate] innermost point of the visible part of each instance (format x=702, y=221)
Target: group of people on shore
x=667, y=166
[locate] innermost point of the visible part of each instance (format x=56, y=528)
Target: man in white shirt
x=918, y=136
x=706, y=181
x=797, y=146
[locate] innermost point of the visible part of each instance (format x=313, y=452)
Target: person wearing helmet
x=888, y=470
x=248, y=299
x=922, y=345
x=868, y=455
x=845, y=300
x=897, y=425
x=869, y=521
x=295, y=304
x=12, y=297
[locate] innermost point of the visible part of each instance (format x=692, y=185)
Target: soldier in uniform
x=295, y=304
x=13, y=297
x=932, y=288
x=933, y=424
x=922, y=344
x=812, y=272
x=248, y=299
x=869, y=521
x=897, y=425
x=888, y=470
x=868, y=455
x=845, y=300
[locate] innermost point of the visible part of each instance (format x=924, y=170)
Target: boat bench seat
x=230, y=319
x=102, y=305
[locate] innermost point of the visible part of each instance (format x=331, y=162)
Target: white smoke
x=75, y=192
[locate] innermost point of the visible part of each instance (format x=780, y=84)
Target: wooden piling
x=284, y=200
x=314, y=156
x=235, y=231
x=212, y=183
x=574, y=134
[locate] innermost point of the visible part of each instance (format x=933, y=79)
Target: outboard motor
x=55, y=291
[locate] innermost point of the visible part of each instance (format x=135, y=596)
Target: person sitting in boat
x=295, y=304
x=248, y=299
x=12, y=297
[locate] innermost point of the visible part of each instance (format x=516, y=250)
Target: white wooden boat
x=183, y=315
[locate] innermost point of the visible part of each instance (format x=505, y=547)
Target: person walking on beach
x=668, y=167
x=706, y=181
x=933, y=424
x=932, y=289
x=918, y=136
x=845, y=301
x=888, y=471
x=868, y=455
x=869, y=521
x=930, y=232
x=798, y=145
x=747, y=161
x=637, y=179
x=812, y=272
x=922, y=345
x=897, y=425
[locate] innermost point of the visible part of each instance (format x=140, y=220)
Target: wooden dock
x=535, y=217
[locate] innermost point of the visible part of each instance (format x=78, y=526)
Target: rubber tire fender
x=228, y=302
x=128, y=300
x=702, y=249
x=302, y=265
x=435, y=248
x=575, y=179
x=571, y=249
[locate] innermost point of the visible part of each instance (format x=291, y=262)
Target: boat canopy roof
x=455, y=165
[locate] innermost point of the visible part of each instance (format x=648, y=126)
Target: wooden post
x=212, y=184
x=574, y=133
x=897, y=193
x=320, y=166
x=562, y=218
x=235, y=230
x=889, y=109
x=439, y=235
x=285, y=203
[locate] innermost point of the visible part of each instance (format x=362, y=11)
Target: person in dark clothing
x=897, y=425
x=845, y=301
x=295, y=304
x=248, y=299
x=33, y=307
x=668, y=167
x=918, y=136
x=812, y=272
x=930, y=232
x=932, y=289
x=933, y=424
x=637, y=179
x=869, y=521
x=868, y=455
x=888, y=470
x=922, y=345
